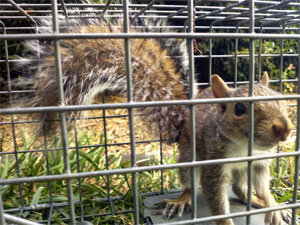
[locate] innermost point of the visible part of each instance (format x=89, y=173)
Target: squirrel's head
x=271, y=122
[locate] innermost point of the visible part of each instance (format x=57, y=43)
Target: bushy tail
x=97, y=66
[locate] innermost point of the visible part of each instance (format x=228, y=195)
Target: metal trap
x=238, y=39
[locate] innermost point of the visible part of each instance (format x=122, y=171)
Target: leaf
x=82, y=137
x=95, y=188
x=25, y=214
x=64, y=212
x=285, y=197
x=85, y=156
x=24, y=140
x=5, y=168
x=36, y=196
x=59, y=198
x=15, y=201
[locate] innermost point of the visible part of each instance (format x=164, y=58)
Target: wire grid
x=230, y=19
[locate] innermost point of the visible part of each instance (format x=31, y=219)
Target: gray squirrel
x=223, y=133
x=159, y=67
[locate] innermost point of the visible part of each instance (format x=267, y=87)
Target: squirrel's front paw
x=287, y=216
x=275, y=218
x=173, y=207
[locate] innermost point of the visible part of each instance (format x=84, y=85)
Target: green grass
x=93, y=159
x=89, y=159
x=282, y=171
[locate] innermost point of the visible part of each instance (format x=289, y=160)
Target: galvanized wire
x=270, y=20
x=250, y=108
x=64, y=132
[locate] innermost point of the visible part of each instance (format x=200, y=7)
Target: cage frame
x=190, y=35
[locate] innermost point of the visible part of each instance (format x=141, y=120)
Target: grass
x=94, y=190
x=282, y=171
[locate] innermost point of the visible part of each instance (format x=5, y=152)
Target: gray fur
x=222, y=134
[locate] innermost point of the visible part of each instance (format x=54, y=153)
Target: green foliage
x=283, y=172
x=226, y=66
x=87, y=159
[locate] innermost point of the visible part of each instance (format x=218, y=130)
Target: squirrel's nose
x=282, y=128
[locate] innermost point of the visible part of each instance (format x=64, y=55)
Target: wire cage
x=71, y=177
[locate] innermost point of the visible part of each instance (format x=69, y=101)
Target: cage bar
x=130, y=111
x=64, y=132
x=251, y=107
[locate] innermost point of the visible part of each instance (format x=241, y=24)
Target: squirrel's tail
x=91, y=67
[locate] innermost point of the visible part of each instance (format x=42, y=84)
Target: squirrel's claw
x=275, y=218
x=173, y=207
x=180, y=211
x=177, y=206
x=287, y=216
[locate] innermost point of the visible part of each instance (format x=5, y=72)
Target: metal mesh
x=230, y=20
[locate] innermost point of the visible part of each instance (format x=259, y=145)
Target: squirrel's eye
x=239, y=109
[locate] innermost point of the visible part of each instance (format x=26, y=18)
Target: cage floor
x=155, y=216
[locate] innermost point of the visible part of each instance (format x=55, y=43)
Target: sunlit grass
x=283, y=173
x=87, y=159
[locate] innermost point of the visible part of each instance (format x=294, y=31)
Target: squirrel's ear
x=265, y=79
x=218, y=86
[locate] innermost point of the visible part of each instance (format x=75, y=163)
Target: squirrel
x=223, y=133
x=159, y=69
